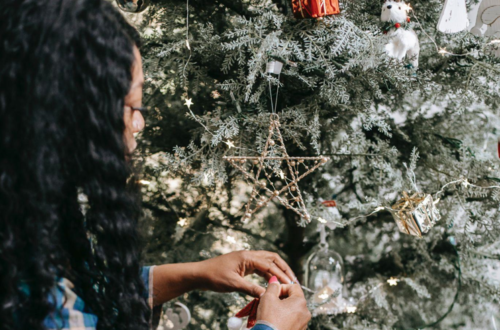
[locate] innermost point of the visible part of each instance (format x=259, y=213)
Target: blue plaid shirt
x=74, y=315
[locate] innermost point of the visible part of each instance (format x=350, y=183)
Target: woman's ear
x=137, y=122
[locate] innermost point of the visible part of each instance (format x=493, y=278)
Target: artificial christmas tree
x=339, y=97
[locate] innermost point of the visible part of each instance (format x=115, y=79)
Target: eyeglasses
x=141, y=109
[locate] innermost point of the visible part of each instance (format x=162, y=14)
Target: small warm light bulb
x=496, y=41
x=282, y=175
x=351, y=309
x=145, y=182
x=393, y=281
x=182, y=222
x=443, y=51
x=189, y=103
x=230, y=144
x=325, y=295
x=231, y=239
x=321, y=220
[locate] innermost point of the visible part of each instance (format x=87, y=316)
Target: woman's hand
x=222, y=274
x=226, y=273
x=284, y=307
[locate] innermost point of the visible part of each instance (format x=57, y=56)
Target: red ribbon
x=250, y=310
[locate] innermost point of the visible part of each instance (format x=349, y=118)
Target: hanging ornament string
x=189, y=101
x=187, y=39
x=274, y=67
x=322, y=236
x=277, y=92
x=412, y=178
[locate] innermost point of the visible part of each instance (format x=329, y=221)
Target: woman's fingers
x=291, y=290
x=267, y=266
x=251, y=289
x=269, y=262
x=265, y=275
x=273, y=289
x=283, y=266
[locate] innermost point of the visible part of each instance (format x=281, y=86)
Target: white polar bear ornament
x=403, y=40
x=488, y=19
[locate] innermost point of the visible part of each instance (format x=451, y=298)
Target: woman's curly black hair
x=65, y=69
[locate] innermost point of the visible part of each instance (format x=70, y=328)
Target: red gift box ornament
x=329, y=203
x=315, y=8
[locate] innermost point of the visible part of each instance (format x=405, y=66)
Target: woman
x=70, y=102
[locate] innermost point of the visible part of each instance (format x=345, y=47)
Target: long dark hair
x=65, y=68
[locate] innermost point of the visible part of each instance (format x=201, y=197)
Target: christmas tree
x=394, y=134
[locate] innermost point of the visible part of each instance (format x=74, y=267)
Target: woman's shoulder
x=71, y=312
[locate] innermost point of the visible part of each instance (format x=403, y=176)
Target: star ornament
x=188, y=103
x=230, y=144
x=393, y=281
x=275, y=175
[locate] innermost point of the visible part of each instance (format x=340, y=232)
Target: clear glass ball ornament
x=324, y=275
x=133, y=6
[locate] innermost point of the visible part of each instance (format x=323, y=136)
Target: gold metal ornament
x=415, y=215
x=268, y=166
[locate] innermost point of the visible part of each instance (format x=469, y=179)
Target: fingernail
x=136, y=125
x=273, y=279
x=297, y=281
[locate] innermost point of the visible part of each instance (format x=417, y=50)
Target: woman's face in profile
x=134, y=122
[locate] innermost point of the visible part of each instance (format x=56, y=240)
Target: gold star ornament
x=275, y=175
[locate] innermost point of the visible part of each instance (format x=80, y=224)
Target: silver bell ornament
x=133, y=6
x=324, y=277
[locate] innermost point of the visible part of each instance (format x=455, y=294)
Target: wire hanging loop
x=274, y=67
x=322, y=240
x=411, y=176
x=273, y=104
